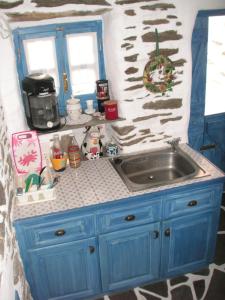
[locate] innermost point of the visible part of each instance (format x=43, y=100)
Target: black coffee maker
x=40, y=102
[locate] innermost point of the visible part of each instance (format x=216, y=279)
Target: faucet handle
x=174, y=142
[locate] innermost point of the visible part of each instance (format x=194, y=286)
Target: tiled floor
x=207, y=284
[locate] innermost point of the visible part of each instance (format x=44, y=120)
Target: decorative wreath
x=159, y=72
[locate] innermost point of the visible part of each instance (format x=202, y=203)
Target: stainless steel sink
x=161, y=167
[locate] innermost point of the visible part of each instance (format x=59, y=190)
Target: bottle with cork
x=73, y=152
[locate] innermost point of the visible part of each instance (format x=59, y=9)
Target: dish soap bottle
x=73, y=152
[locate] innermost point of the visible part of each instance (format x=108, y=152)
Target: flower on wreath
x=159, y=74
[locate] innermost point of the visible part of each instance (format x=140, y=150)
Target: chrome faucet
x=174, y=143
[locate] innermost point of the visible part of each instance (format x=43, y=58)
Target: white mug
x=90, y=105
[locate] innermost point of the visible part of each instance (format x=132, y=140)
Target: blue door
x=207, y=122
x=66, y=271
x=188, y=243
x=129, y=257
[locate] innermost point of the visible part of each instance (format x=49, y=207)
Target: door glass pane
x=83, y=62
x=215, y=81
x=41, y=57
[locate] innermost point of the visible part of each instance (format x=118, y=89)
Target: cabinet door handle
x=60, y=232
x=65, y=82
x=193, y=203
x=91, y=249
x=167, y=232
x=156, y=234
x=129, y=218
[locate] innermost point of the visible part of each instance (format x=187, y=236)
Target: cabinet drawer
x=59, y=231
x=128, y=217
x=189, y=202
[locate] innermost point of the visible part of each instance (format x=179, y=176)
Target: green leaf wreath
x=159, y=73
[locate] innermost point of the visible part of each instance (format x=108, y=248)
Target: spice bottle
x=73, y=152
x=56, y=147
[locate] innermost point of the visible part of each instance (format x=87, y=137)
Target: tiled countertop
x=96, y=182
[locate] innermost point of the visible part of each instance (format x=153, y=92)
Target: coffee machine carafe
x=40, y=102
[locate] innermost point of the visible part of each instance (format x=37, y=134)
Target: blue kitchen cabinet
x=188, y=243
x=84, y=253
x=66, y=271
x=129, y=257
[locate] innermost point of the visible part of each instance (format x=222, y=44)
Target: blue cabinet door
x=188, y=243
x=129, y=257
x=67, y=271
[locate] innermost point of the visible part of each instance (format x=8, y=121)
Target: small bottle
x=56, y=147
x=73, y=152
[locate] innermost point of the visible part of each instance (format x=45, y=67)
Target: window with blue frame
x=72, y=53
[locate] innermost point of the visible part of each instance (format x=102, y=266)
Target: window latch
x=65, y=82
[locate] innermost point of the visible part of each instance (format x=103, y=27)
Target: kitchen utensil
x=26, y=152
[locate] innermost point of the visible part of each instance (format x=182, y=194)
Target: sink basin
x=161, y=167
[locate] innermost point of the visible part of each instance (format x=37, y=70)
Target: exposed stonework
x=131, y=38
x=9, y=5
x=165, y=52
x=38, y=16
x=178, y=23
x=130, y=12
x=179, y=62
x=145, y=131
x=136, y=141
x=132, y=79
x=130, y=27
x=55, y=3
x=171, y=17
x=139, y=119
x=161, y=6
x=131, y=58
x=125, y=45
x=17, y=270
x=131, y=70
x=122, y=2
x=164, y=104
x=169, y=35
x=128, y=137
x=163, y=121
x=2, y=195
x=123, y=130
x=155, y=22
x=134, y=87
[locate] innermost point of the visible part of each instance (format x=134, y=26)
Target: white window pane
x=83, y=81
x=41, y=57
x=83, y=62
x=215, y=81
x=82, y=48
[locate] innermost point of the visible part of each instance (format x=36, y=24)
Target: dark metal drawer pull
x=193, y=203
x=60, y=232
x=130, y=218
x=91, y=249
x=167, y=232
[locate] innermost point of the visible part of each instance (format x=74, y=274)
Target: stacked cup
x=73, y=108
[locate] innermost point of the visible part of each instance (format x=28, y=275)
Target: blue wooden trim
x=211, y=13
x=199, y=63
x=59, y=31
x=199, y=59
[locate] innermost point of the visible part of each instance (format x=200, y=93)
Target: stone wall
x=11, y=272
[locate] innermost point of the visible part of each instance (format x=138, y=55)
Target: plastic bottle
x=56, y=147
x=73, y=152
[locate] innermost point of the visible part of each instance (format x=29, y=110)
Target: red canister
x=111, y=111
